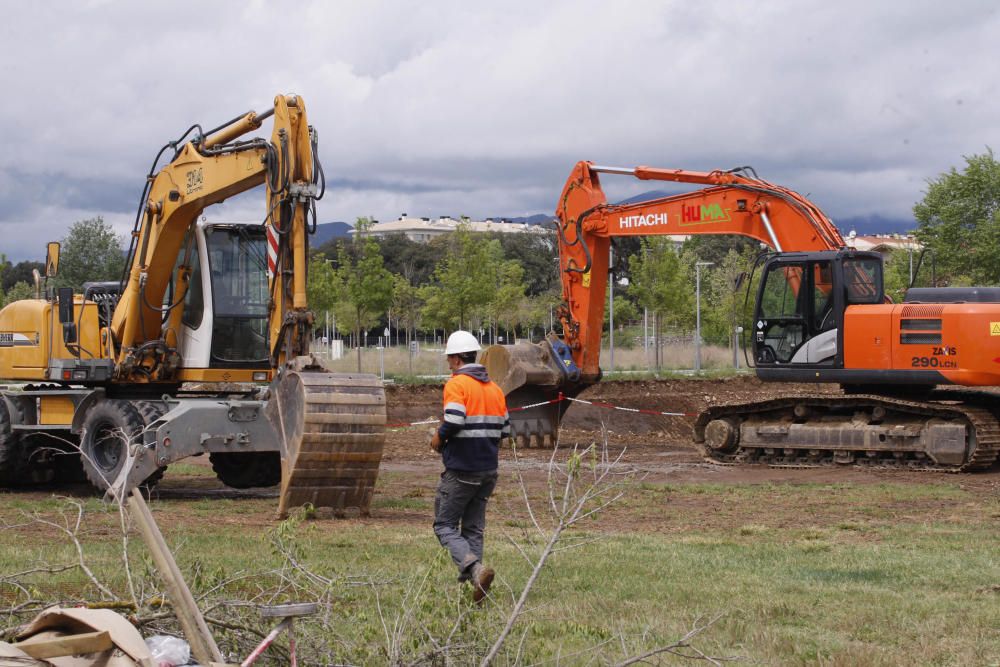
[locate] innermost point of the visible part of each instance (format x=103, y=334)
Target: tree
x=406, y=304
x=19, y=273
x=15, y=291
x=321, y=288
x=91, y=251
x=715, y=247
x=662, y=282
x=625, y=311
x=413, y=260
x=537, y=256
x=462, y=280
x=506, y=289
x=724, y=297
x=896, y=273
x=959, y=221
x=361, y=283
x=19, y=291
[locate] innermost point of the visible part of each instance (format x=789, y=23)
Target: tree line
x=507, y=285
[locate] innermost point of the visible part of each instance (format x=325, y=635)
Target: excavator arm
x=726, y=202
x=143, y=331
x=730, y=203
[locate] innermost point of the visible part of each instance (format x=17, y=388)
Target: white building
x=424, y=229
x=883, y=243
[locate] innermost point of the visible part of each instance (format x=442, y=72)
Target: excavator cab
x=801, y=299
x=225, y=319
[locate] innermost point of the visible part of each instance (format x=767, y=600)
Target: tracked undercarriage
x=956, y=431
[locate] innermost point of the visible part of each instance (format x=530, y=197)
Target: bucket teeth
x=534, y=380
x=535, y=426
x=332, y=427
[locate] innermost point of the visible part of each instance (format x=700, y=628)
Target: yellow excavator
x=203, y=346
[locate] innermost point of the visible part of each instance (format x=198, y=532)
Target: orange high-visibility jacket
x=475, y=420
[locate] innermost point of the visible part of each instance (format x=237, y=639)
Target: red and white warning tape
x=559, y=399
x=642, y=411
x=425, y=422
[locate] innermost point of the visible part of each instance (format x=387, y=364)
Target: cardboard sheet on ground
x=129, y=649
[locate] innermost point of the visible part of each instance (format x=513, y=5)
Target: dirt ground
x=660, y=445
x=658, y=451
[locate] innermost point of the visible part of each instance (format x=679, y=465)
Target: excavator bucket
x=331, y=428
x=536, y=378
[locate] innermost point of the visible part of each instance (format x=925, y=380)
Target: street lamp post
x=697, y=311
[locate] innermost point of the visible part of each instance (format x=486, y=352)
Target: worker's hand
x=436, y=441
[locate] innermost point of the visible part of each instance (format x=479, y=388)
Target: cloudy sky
x=481, y=109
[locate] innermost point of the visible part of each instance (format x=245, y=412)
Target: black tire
x=107, y=429
x=150, y=410
x=12, y=454
x=245, y=470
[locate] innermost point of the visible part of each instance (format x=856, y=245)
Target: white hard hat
x=460, y=342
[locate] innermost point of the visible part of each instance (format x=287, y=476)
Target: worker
x=474, y=422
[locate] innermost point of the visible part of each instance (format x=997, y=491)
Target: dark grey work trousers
x=460, y=515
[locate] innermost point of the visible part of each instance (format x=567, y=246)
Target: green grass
x=190, y=470
x=848, y=590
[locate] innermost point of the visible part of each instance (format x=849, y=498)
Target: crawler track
x=956, y=431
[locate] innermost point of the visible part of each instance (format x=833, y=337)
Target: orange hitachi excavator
x=820, y=316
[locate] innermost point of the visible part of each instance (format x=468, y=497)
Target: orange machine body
x=961, y=341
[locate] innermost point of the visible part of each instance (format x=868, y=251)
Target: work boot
x=482, y=579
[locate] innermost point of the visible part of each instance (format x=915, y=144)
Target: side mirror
x=65, y=297
x=52, y=259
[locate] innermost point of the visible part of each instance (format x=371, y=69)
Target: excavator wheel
x=245, y=470
x=108, y=429
x=332, y=430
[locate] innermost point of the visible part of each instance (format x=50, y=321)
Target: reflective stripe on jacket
x=475, y=420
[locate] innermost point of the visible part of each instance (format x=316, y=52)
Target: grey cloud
x=477, y=109
x=22, y=193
